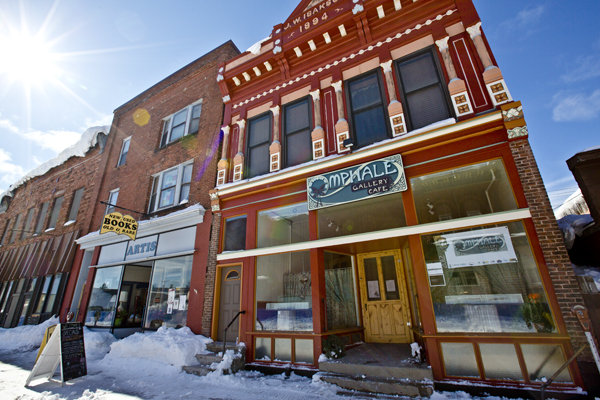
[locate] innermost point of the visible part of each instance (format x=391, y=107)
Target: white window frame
x=168, y=121
x=125, y=141
x=110, y=195
x=157, y=183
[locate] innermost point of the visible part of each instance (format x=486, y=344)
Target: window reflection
x=103, y=300
x=283, y=225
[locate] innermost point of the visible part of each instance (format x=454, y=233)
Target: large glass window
x=463, y=192
x=183, y=122
x=283, y=225
x=169, y=293
x=369, y=115
x=379, y=213
x=283, y=292
x=39, y=227
x=296, y=122
x=422, y=90
x=340, y=289
x=55, y=210
x=235, y=233
x=259, y=140
x=103, y=300
x=132, y=297
x=485, y=279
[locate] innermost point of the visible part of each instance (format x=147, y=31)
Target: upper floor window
x=183, y=122
x=4, y=204
x=7, y=229
x=28, y=220
x=259, y=140
x=124, y=151
x=171, y=187
x=112, y=201
x=55, y=210
x=15, y=228
x=367, y=109
x=75, y=205
x=296, y=131
x=422, y=89
x=39, y=227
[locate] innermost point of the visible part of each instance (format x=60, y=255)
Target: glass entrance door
x=383, y=294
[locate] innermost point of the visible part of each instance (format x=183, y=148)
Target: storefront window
x=43, y=293
x=132, y=297
x=26, y=301
x=52, y=295
x=235, y=234
x=169, y=291
x=379, y=213
x=463, y=192
x=103, y=300
x=486, y=280
x=283, y=292
x=283, y=225
x=341, y=297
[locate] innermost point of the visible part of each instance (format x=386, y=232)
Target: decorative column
x=457, y=88
x=395, y=110
x=275, y=148
x=318, y=134
x=238, y=160
x=223, y=164
x=492, y=76
x=342, y=129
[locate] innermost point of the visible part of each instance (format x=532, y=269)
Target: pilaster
x=461, y=101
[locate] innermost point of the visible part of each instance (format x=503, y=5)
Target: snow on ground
x=148, y=366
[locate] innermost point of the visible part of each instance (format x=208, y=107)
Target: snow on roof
x=575, y=204
x=255, y=48
x=590, y=149
x=88, y=139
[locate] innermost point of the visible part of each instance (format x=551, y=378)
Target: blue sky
x=101, y=54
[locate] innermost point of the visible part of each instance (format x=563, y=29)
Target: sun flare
x=27, y=59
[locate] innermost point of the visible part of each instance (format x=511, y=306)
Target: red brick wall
x=211, y=273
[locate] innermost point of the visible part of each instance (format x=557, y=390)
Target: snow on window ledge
x=49, y=230
x=71, y=222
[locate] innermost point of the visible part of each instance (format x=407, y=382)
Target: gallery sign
x=120, y=224
x=360, y=182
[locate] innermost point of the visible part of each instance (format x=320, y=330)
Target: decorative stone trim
x=226, y=99
x=442, y=44
x=257, y=71
x=398, y=125
x=342, y=132
x=268, y=66
x=386, y=66
x=214, y=200
x=337, y=86
x=518, y=132
x=315, y=94
x=215, y=207
x=221, y=176
x=474, y=30
x=357, y=8
x=512, y=113
x=318, y=147
x=499, y=92
x=462, y=104
x=275, y=156
x=372, y=47
x=237, y=168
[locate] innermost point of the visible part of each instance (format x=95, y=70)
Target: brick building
x=40, y=218
x=377, y=183
x=160, y=165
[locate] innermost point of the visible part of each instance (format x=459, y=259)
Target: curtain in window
x=341, y=309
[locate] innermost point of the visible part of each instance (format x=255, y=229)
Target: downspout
x=487, y=194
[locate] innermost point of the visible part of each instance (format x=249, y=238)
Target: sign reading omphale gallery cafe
x=360, y=182
x=120, y=224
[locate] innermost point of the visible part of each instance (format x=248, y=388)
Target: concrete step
x=374, y=384
x=208, y=359
x=411, y=371
x=200, y=370
x=217, y=347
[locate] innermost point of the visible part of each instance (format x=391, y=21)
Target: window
x=17, y=225
x=283, y=225
x=339, y=285
x=103, y=300
x=52, y=295
x=171, y=187
x=235, y=234
x=7, y=229
x=42, y=217
x=367, y=109
x=112, y=201
x=259, y=140
x=55, y=210
x=184, y=122
x=75, y=205
x=422, y=89
x=26, y=231
x=296, y=130
x=124, y=151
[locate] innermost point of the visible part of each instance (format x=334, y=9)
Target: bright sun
x=27, y=59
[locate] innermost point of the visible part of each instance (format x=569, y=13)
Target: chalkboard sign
x=72, y=351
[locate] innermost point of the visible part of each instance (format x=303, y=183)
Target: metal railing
x=225, y=331
x=561, y=369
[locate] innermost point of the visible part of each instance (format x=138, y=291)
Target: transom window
x=259, y=140
x=296, y=122
x=171, y=187
x=423, y=94
x=183, y=122
x=367, y=109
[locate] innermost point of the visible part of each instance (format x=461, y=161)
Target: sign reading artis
x=375, y=178
x=120, y=224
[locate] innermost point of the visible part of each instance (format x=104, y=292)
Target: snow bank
x=572, y=226
x=594, y=272
x=167, y=346
x=26, y=337
x=88, y=139
x=97, y=344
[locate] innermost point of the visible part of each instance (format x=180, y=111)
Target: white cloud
x=101, y=121
x=576, y=107
x=53, y=140
x=8, y=125
x=9, y=172
x=585, y=68
x=530, y=15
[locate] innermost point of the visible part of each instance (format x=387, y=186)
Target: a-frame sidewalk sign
x=62, y=344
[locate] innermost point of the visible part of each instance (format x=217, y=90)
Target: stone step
x=200, y=370
x=414, y=372
x=208, y=359
x=373, y=384
x=217, y=347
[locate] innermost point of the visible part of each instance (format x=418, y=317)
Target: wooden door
x=229, y=302
x=383, y=295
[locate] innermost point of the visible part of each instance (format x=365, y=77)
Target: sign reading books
x=364, y=181
x=62, y=344
x=120, y=224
